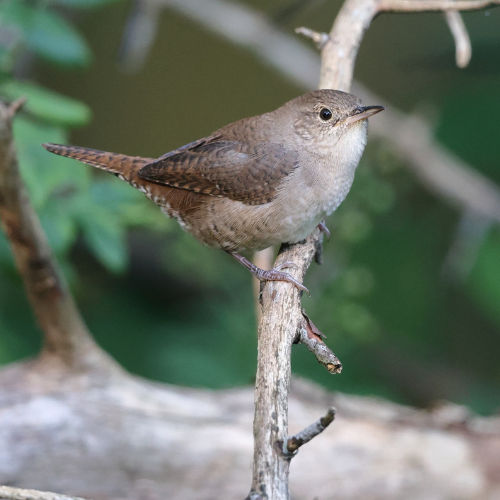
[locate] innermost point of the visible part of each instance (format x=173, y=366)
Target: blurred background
x=409, y=291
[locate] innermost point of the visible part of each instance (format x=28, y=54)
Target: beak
x=362, y=113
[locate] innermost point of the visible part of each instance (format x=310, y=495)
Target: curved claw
x=322, y=227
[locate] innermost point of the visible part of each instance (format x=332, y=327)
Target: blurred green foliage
x=407, y=320
x=70, y=204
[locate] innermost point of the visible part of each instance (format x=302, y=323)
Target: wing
x=250, y=173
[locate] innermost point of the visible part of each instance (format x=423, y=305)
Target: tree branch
x=65, y=335
x=305, y=435
x=433, y=5
x=463, y=48
x=275, y=339
x=312, y=338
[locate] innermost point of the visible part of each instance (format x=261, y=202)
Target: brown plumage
x=256, y=182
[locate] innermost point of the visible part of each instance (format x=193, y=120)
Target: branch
x=8, y=493
x=304, y=436
x=281, y=314
x=65, y=334
x=312, y=338
x=433, y=5
x=463, y=48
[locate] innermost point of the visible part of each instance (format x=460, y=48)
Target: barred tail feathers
x=122, y=165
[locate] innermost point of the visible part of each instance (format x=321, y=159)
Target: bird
x=260, y=181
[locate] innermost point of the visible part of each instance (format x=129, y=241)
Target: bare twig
x=8, y=493
x=312, y=338
x=463, y=48
x=318, y=38
x=311, y=431
x=433, y=5
x=65, y=334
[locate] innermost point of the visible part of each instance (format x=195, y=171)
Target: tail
x=125, y=167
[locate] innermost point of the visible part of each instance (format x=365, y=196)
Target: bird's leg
x=271, y=275
x=322, y=227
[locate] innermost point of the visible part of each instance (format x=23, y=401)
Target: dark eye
x=325, y=114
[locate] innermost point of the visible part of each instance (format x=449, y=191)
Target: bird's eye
x=325, y=114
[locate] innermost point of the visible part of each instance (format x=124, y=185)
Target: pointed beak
x=362, y=113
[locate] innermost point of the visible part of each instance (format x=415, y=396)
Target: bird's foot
x=322, y=227
x=273, y=274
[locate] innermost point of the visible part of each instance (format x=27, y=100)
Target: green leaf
x=105, y=237
x=48, y=177
x=47, y=105
x=60, y=228
x=46, y=33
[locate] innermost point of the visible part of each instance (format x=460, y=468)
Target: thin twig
x=318, y=38
x=8, y=493
x=463, y=48
x=310, y=432
x=312, y=338
x=15, y=107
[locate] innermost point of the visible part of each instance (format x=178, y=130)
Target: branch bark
x=66, y=337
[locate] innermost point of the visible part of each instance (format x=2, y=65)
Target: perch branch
x=463, y=48
x=65, y=334
x=8, y=493
x=275, y=339
x=310, y=432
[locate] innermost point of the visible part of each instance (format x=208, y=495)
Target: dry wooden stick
x=463, y=48
x=305, y=435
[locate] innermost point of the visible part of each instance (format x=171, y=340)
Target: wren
x=257, y=182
